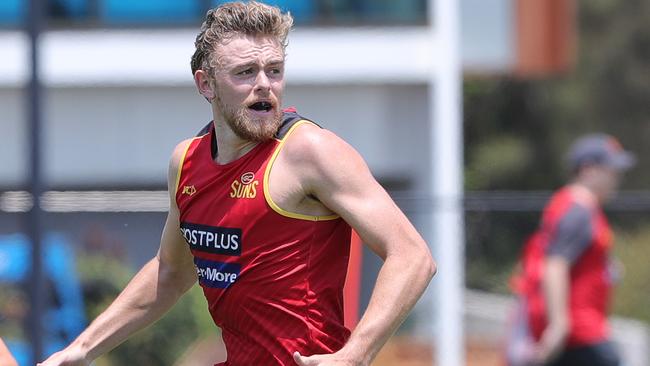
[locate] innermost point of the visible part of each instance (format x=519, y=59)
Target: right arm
x=555, y=285
x=149, y=295
x=569, y=241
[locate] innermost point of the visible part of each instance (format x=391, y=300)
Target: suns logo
x=245, y=187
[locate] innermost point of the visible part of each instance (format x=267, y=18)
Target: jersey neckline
x=212, y=136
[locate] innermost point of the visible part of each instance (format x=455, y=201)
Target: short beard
x=247, y=128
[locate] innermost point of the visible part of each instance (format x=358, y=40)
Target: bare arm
x=569, y=241
x=556, y=292
x=335, y=173
x=151, y=293
x=6, y=359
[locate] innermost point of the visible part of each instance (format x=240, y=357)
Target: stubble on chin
x=254, y=129
x=248, y=127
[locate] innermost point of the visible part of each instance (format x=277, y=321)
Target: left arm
x=333, y=172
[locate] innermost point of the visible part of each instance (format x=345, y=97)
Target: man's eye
x=276, y=71
x=245, y=72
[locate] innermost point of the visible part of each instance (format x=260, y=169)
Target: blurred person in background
x=261, y=208
x=6, y=359
x=566, y=270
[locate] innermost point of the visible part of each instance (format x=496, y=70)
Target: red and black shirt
x=574, y=227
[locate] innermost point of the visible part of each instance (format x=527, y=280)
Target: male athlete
x=567, y=274
x=261, y=205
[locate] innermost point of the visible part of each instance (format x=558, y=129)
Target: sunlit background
x=118, y=96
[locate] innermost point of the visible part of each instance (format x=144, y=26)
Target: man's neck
x=230, y=147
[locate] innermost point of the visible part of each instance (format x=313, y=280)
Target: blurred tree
x=632, y=296
x=164, y=342
x=517, y=131
x=607, y=91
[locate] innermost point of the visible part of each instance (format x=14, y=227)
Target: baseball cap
x=600, y=149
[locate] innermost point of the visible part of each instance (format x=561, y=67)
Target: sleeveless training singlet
x=273, y=279
x=590, y=279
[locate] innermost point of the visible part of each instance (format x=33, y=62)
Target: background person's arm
x=333, y=171
x=151, y=293
x=568, y=242
x=555, y=284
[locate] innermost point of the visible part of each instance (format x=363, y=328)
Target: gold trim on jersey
x=267, y=193
x=181, y=162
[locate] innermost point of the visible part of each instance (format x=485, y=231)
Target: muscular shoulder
x=321, y=158
x=175, y=162
x=311, y=144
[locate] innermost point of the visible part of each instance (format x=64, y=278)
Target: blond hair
x=237, y=18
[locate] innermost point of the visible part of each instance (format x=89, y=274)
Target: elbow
x=425, y=263
x=431, y=265
x=415, y=262
x=433, y=268
x=175, y=281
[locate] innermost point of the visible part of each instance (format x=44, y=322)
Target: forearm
x=552, y=342
x=400, y=283
x=144, y=300
x=556, y=292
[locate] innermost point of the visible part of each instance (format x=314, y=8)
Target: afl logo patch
x=247, y=178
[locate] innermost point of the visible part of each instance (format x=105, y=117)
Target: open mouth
x=261, y=106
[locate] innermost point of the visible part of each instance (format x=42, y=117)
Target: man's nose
x=262, y=82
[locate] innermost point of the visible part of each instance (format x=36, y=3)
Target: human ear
x=203, y=84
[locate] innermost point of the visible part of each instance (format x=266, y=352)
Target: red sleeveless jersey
x=273, y=279
x=589, y=277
